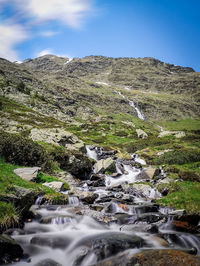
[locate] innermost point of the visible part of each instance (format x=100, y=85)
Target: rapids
x=119, y=219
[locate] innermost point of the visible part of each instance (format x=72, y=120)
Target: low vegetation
x=183, y=195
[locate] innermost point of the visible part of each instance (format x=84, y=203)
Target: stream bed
x=105, y=216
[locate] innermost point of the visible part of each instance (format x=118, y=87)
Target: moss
x=183, y=195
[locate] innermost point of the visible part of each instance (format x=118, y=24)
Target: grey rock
x=28, y=174
x=55, y=185
x=10, y=250
x=105, y=165
x=141, y=134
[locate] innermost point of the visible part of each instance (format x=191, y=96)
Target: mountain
x=84, y=88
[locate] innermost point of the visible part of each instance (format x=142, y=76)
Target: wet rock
x=142, y=190
x=55, y=185
x=148, y=173
x=53, y=241
x=88, y=197
x=160, y=241
x=47, y=262
x=187, y=223
x=150, y=228
x=145, y=208
x=141, y=134
x=9, y=249
x=151, y=257
x=79, y=165
x=108, y=244
x=149, y=218
x=105, y=165
x=28, y=174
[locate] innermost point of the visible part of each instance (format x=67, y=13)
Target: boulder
x=150, y=257
x=55, y=185
x=177, y=134
x=144, y=191
x=10, y=250
x=28, y=174
x=107, y=244
x=105, y=165
x=79, y=165
x=53, y=241
x=88, y=197
x=48, y=262
x=141, y=134
x=148, y=173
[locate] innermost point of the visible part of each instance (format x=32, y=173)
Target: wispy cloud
x=44, y=52
x=48, y=33
x=71, y=13
x=10, y=36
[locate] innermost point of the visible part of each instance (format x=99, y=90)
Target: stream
x=90, y=229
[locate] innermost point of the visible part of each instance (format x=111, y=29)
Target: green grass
x=183, y=195
x=185, y=125
x=8, y=179
x=8, y=215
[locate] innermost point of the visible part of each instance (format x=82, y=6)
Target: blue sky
x=168, y=30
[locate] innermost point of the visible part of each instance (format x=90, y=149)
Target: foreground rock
x=151, y=258
x=9, y=250
x=28, y=174
x=55, y=185
x=48, y=262
x=108, y=244
x=105, y=165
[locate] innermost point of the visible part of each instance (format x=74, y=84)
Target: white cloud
x=50, y=51
x=44, y=52
x=70, y=12
x=10, y=36
x=48, y=33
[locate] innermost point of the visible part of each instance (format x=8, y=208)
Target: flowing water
x=132, y=104
x=82, y=234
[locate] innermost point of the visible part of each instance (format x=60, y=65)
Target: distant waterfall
x=132, y=104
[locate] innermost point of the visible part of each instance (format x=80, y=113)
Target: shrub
x=22, y=151
x=182, y=156
x=20, y=86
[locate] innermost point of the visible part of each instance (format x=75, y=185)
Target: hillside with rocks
x=99, y=157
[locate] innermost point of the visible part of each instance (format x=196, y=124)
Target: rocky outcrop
x=105, y=165
x=58, y=136
x=28, y=174
x=10, y=250
x=22, y=198
x=177, y=134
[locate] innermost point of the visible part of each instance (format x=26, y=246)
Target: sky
x=168, y=30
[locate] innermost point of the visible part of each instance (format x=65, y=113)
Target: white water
x=129, y=178
x=139, y=160
x=91, y=153
x=132, y=104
